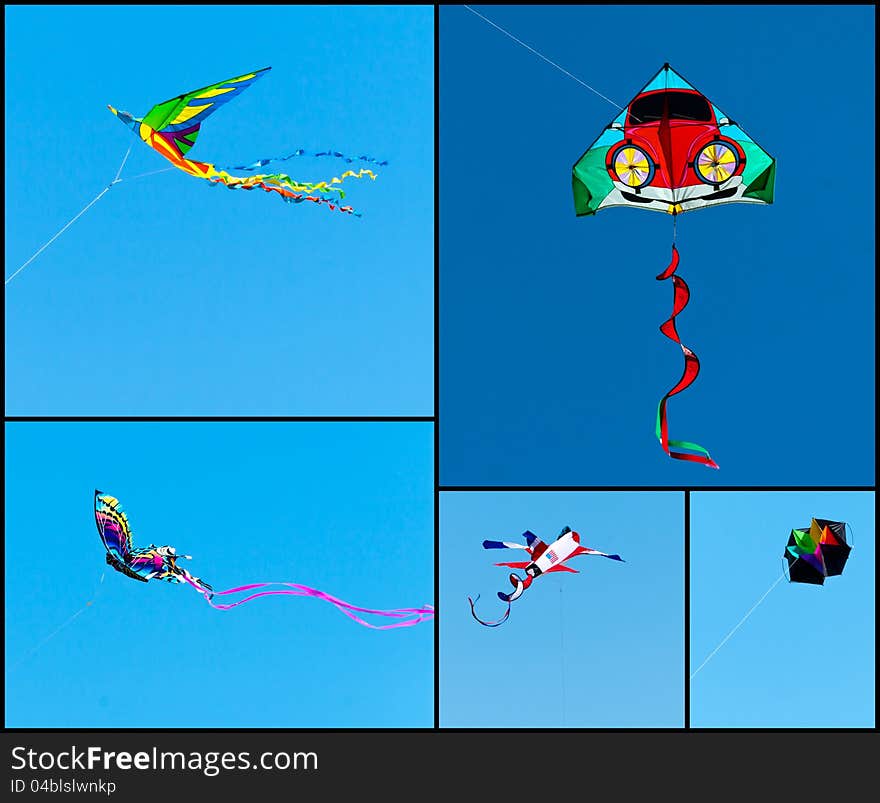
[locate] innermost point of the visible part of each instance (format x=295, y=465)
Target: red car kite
x=672, y=150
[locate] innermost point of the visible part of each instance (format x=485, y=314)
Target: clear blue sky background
x=614, y=632
x=346, y=508
x=550, y=346
x=805, y=657
x=170, y=296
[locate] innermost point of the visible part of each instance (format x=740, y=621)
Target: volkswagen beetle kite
x=673, y=151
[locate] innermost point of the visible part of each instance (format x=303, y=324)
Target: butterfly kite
x=671, y=150
x=816, y=552
x=544, y=558
x=171, y=129
x=160, y=563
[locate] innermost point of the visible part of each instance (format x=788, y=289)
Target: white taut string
x=542, y=56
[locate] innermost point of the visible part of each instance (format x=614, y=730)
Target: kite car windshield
x=682, y=106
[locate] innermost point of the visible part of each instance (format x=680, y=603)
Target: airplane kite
x=816, y=552
x=160, y=563
x=545, y=558
x=672, y=150
x=171, y=128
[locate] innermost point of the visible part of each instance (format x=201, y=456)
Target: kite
x=171, y=128
x=672, y=150
x=145, y=564
x=816, y=552
x=544, y=559
x=812, y=553
x=160, y=563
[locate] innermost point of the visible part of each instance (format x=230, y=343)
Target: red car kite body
x=673, y=150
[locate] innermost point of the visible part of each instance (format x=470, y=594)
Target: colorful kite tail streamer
x=313, y=154
x=325, y=187
x=286, y=182
x=496, y=623
x=288, y=195
x=696, y=453
x=409, y=616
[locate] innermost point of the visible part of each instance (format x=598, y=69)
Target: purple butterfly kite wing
x=113, y=527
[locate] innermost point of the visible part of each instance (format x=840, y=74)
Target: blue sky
x=602, y=648
x=550, y=346
x=172, y=297
x=805, y=656
x=346, y=508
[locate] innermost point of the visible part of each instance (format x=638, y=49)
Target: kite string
x=562, y=652
x=738, y=625
x=56, y=236
x=60, y=627
x=73, y=220
x=542, y=56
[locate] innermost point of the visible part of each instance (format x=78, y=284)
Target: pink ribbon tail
x=409, y=616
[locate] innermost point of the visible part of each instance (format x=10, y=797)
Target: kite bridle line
x=78, y=215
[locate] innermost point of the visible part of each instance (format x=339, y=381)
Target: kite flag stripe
x=681, y=295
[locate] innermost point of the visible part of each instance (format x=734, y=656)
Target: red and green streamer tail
x=695, y=453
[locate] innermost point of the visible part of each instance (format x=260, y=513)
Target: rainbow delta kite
x=671, y=150
x=161, y=563
x=171, y=129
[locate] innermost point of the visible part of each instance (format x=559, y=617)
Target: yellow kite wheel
x=716, y=163
x=632, y=166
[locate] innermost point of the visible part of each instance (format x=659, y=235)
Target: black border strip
x=679, y=488
x=323, y=419
x=438, y=488
x=436, y=366
x=441, y=730
x=687, y=610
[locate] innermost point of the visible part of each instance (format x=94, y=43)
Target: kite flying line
x=60, y=627
x=738, y=625
x=542, y=56
x=817, y=552
x=562, y=652
x=78, y=215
